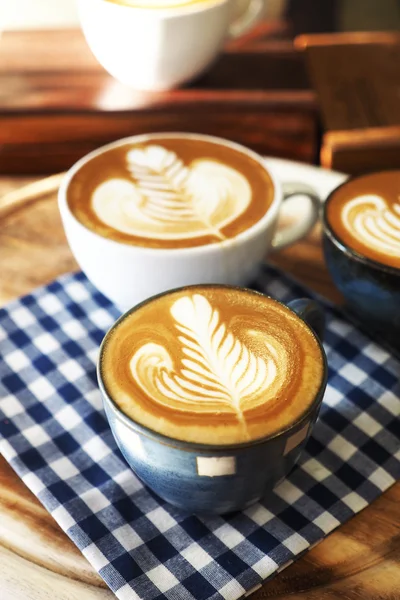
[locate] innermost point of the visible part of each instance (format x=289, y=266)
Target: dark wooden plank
x=43, y=143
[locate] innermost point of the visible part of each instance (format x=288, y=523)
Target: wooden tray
x=359, y=561
x=57, y=103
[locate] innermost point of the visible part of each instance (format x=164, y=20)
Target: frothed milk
x=212, y=365
x=365, y=214
x=171, y=191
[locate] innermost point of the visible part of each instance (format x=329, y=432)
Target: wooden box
x=357, y=80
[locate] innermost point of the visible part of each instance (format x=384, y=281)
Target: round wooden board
x=360, y=561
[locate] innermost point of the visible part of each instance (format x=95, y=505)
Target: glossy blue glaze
x=371, y=290
x=171, y=467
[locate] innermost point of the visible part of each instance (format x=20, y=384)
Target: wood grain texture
x=360, y=105
x=57, y=103
x=360, y=561
x=364, y=91
x=362, y=150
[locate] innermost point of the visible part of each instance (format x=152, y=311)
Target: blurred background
x=304, y=15
x=57, y=103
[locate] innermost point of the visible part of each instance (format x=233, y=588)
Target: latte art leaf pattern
x=212, y=365
x=373, y=222
x=217, y=370
x=165, y=199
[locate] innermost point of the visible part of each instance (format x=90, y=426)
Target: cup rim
x=181, y=444
x=171, y=12
x=336, y=239
x=269, y=216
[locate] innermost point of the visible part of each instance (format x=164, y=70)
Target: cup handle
x=298, y=230
x=254, y=12
x=311, y=312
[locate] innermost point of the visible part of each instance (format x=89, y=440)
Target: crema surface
x=212, y=365
x=365, y=214
x=171, y=192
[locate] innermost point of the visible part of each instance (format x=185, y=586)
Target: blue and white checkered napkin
x=56, y=437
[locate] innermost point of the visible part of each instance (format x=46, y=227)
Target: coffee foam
x=172, y=192
x=365, y=214
x=212, y=365
x=202, y=199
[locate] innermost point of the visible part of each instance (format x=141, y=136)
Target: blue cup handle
x=311, y=312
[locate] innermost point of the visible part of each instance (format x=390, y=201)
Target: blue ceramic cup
x=371, y=289
x=179, y=472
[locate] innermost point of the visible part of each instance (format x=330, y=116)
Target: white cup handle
x=246, y=21
x=291, y=234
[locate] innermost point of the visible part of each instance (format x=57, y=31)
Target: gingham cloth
x=56, y=437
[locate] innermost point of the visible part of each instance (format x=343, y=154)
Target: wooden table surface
x=359, y=561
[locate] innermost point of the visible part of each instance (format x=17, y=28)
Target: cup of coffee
x=212, y=391
x=159, y=44
x=154, y=212
x=362, y=249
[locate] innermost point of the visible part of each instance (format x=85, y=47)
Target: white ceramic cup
x=158, y=49
x=129, y=274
